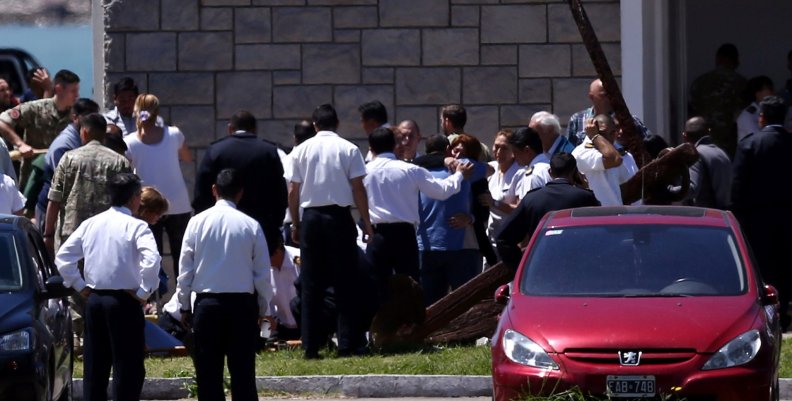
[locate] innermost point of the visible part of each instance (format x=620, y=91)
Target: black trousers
x=114, y=337
x=226, y=325
x=174, y=225
x=394, y=250
x=328, y=250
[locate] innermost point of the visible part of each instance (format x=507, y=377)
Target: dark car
x=35, y=323
x=639, y=302
x=15, y=65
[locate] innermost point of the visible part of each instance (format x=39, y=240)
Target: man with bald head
x=408, y=135
x=711, y=174
x=600, y=104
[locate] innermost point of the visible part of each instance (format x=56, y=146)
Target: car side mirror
x=771, y=295
x=502, y=295
x=56, y=289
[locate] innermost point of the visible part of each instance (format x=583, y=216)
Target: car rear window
x=634, y=260
x=11, y=277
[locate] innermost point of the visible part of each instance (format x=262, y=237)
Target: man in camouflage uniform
x=78, y=186
x=716, y=96
x=41, y=120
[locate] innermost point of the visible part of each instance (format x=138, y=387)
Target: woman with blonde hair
x=155, y=152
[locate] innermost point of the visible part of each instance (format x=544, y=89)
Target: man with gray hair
x=549, y=128
x=408, y=135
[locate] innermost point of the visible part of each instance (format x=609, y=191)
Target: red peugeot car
x=638, y=302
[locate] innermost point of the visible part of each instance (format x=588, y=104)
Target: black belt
x=111, y=292
x=394, y=225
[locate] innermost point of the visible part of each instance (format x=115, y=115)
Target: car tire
x=776, y=396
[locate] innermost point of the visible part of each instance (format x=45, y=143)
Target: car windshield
x=634, y=261
x=11, y=277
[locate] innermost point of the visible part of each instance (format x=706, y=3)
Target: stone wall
x=502, y=59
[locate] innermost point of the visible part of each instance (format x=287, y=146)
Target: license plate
x=631, y=386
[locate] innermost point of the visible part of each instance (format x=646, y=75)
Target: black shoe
x=362, y=351
x=312, y=355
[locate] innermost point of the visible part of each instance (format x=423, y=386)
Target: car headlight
x=522, y=350
x=18, y=341
x=739, y=351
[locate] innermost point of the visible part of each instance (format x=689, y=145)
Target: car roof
x=673, y=215
x=9, y=221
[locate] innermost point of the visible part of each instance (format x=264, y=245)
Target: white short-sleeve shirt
x=605, y=183
x=323, y=165
x=11, y=200
x=534, y=175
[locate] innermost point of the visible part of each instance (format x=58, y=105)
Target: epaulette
x=622, y=151
x=751, y=109
x=750, y=134
x=529, y=171
x=589, y=145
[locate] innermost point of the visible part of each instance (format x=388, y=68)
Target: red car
x=638, y=302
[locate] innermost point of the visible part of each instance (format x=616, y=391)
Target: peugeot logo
x=630, y=358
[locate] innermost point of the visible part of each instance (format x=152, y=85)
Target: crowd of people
x=305, y=238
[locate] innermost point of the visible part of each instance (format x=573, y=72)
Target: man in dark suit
x=762, y=202
x=711, y=175
x=560, y=193
x=264, y=188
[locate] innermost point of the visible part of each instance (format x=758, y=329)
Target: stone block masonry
x=206, y=59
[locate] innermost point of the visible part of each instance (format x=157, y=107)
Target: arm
x=149, y=263
x=50, y=219
x=186, y=269
x=261, y=273
x=66, y=260
x=294, y=210
x=185, y=154
x=513, y=230
x=361, y=202
x=204, y=178
x=438, y=189
x=7, y=132
x=610, y=156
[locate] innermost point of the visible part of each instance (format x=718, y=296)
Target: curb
x=355, y=386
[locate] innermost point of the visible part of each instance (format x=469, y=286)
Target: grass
x=443, y=361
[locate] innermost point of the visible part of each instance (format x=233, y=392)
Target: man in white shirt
x=393, y=188
x=285, y=271
x=121, y=267
x=604, y=166
x=11, y=200
x=535, y=171
x=224, y=260
x=327, y=178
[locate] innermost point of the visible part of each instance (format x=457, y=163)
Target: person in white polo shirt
x=327, y=178
x=604, y=166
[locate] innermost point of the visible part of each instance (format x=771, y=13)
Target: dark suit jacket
x=760, y=165
x=556, y=195
x=258, y=162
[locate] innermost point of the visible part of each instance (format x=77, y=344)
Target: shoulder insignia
x=589, y=145
x=622, y=151
x=529, y=171
x=751, y=109
x=296, y=260
x=14, y=113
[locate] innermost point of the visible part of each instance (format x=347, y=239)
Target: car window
x=11, y=277
x=10, y=71
x=634, y=260
x=41, y=267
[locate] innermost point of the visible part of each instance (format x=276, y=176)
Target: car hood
x=15, y=311
x=701, y=323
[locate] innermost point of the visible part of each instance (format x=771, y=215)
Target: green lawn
x=443, y=361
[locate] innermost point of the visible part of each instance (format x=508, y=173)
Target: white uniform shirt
x=603, y=182
x=393, y=188
x=224, y=251
x=499, y=184
x=283, y=290
x=11, y=200
x=119, y=251
x=530, y=177
x=323, y=165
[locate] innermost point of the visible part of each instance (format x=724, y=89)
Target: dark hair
x=84, y=106
x=303, y=131
x=122, y=187
x=456, y=114
x=115, y=142
x=471, y=145
x=325, y=118
x=773, y=109
x=96, y=125
x=125, y=84
x=526, y=137
x=562, y=164
x=754, y=85
x=729, y=52
x=243, y=120
x=654, y=144
x=696, y=128
x=228, y=183
x=66, y=77
x=437, y=143
x=374, y=110
x=382, y=140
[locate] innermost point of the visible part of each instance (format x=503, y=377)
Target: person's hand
x=49, y=243
x=460, y=220
x=25, y=149
x=186, y=319
x=133, y=293
x=450, y=163
x=85, y=292
x=485, y=199
x=465, y=168
x=592, y=128
x=42, y=79
x=272, y=321
x=368, y=232
x=295, y=233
